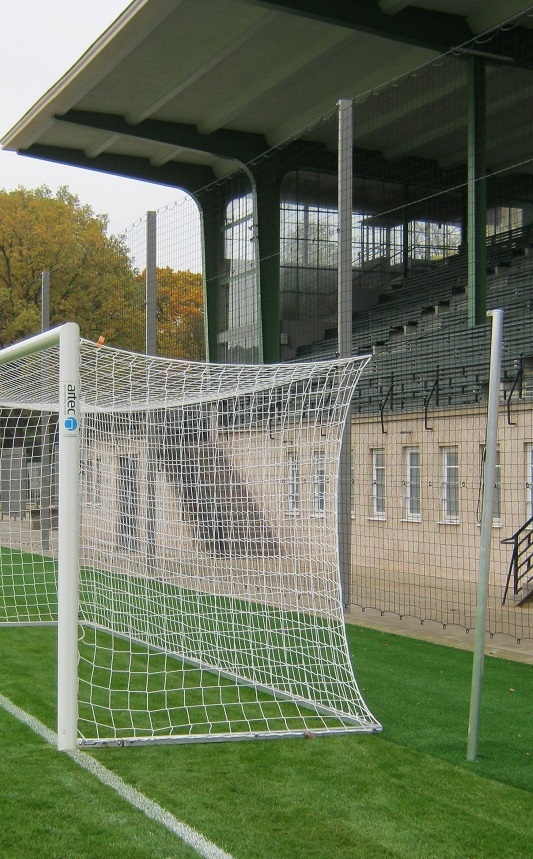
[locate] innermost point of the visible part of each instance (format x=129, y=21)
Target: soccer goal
x=178, y=521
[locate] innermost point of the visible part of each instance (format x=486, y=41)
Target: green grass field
x=405, y=793
x=132, y=683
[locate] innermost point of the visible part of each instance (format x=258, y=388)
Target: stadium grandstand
x=236, y=103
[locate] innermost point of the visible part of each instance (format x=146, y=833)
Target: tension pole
x=344, y=319
x=491, y=449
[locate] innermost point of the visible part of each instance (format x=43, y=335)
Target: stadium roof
x=178, y=91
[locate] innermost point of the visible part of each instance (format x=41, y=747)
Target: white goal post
x=63, y=390
x=188, y=514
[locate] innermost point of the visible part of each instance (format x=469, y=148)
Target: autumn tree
x=180, y=317
x=91, y=279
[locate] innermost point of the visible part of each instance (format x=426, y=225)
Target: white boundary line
x=189, y=836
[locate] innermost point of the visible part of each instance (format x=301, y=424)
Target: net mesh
x=210, y=601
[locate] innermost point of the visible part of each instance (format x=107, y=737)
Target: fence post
x=45, y=300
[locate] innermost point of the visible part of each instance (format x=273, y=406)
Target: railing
x=521, y=564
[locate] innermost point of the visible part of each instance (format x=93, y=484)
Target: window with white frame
x=378, y=483
x=412, y=483
x=293, y=482
x=450, y=498
x=319, y=483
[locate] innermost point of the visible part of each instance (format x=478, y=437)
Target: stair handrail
x=514, y=539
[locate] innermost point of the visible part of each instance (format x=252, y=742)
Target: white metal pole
x=491, y=448
x=151, y=349
x=31, y=345
x=68, y=337
x=45, y=500
x=344, y=321
x=69, y=536
x=345, y=192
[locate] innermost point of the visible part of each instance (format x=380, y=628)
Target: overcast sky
x=39, y=42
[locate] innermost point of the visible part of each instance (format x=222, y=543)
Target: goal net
x=201, y=577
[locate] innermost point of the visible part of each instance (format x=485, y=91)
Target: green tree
x=180, y=317
x=91, y=278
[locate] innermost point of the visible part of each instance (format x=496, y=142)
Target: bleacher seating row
x=423, y=348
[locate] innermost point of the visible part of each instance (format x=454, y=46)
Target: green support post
x=477, y=193
x=212, y=212
x=268, y=202
x=405, y=241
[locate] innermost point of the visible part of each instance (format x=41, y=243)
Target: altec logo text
x=71, y=422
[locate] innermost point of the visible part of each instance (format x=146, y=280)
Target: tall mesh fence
x=261, y=247
x=165, y=251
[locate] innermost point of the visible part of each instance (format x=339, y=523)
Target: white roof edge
x=115, y=43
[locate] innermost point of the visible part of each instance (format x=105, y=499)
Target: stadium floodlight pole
x=491, y=447
x=68, y=338
x=344, y=317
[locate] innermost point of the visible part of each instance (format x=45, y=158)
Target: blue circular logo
x=71, y=423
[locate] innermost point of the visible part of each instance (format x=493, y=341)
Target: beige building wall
x=426, y=565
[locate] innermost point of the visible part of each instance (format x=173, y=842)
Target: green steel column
x=268, y=201
x=405, y=243
x=477, y=193
x=212, y=212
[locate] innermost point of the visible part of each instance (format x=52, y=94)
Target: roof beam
x=224, y=143
x=513, y=45
x=376, y=120
x=391, y=7
x=436, y=131
x=208, y=57
x=506, y=102
x=484, y=16
x=424, y=138
x=297, y=120
x=438, y=31
x=281, y=74
x=187, y=177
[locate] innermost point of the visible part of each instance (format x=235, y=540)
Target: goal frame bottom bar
x=187, y=739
